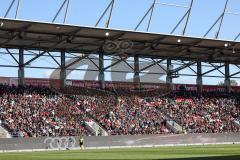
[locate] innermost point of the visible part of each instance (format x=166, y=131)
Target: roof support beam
x=189, y=67
x=179, y=53
x=14, y=35
x=66, y=12
x=12, y=56
x=143, y=18
x=101, y=75
x=188, y=16
x=136, y=78
x=9, y=8
x=21, y=67
x=124, y=62
x=115, y=63
x=59, y=10
x=213, y=69
x=42, y=53
x=227, y=78
x=183, y=67
x=217, y=68
x=219, y=18
x=92, y=62
x=237, y=66
x=110, y=15
x=221, y=21
x=52, y=47
x=169, y=76
x=104, y=13
x=159, y=65
x=212, y=26
x=55, y=59
x=63, y=70
x=151, y=14
x=76, y=61
x=199, y=77
x=153, y=44
x=17, y=9
x=236, y=72
x=154, y=63
x=129, y=65
x=237, y=37
x=179, y=22
x=49, y=55
x=32, y=53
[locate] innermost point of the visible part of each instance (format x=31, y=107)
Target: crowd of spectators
x=203, y=114
x=124, y=115
x=135, y=115
x=38, y=111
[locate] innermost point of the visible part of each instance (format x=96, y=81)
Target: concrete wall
x=55, y=143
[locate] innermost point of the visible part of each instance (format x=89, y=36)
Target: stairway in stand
x=4, y=133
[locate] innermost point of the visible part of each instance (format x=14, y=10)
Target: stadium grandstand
x=61, y=82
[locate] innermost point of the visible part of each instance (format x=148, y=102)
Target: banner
x=184, y=100
x=112, y=84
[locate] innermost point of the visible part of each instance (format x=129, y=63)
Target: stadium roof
x=81, y=39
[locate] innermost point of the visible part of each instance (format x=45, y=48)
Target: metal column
x=169, y=71
x=101, y=76
x=199, y=77
x=136, y=78
x=63, y=69
x=227, y=78
x=21, y=67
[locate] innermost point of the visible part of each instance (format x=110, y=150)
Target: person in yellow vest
x=81, y=142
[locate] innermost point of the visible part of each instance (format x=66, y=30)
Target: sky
x=126, y=15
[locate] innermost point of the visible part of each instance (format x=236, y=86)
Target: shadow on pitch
x=233, y=157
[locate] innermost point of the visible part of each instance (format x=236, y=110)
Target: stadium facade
x=67, y=115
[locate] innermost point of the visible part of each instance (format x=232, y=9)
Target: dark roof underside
x=79, y=39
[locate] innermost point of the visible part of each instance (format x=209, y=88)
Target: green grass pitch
x=208, y=152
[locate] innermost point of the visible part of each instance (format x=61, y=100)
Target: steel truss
x=171, y=68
